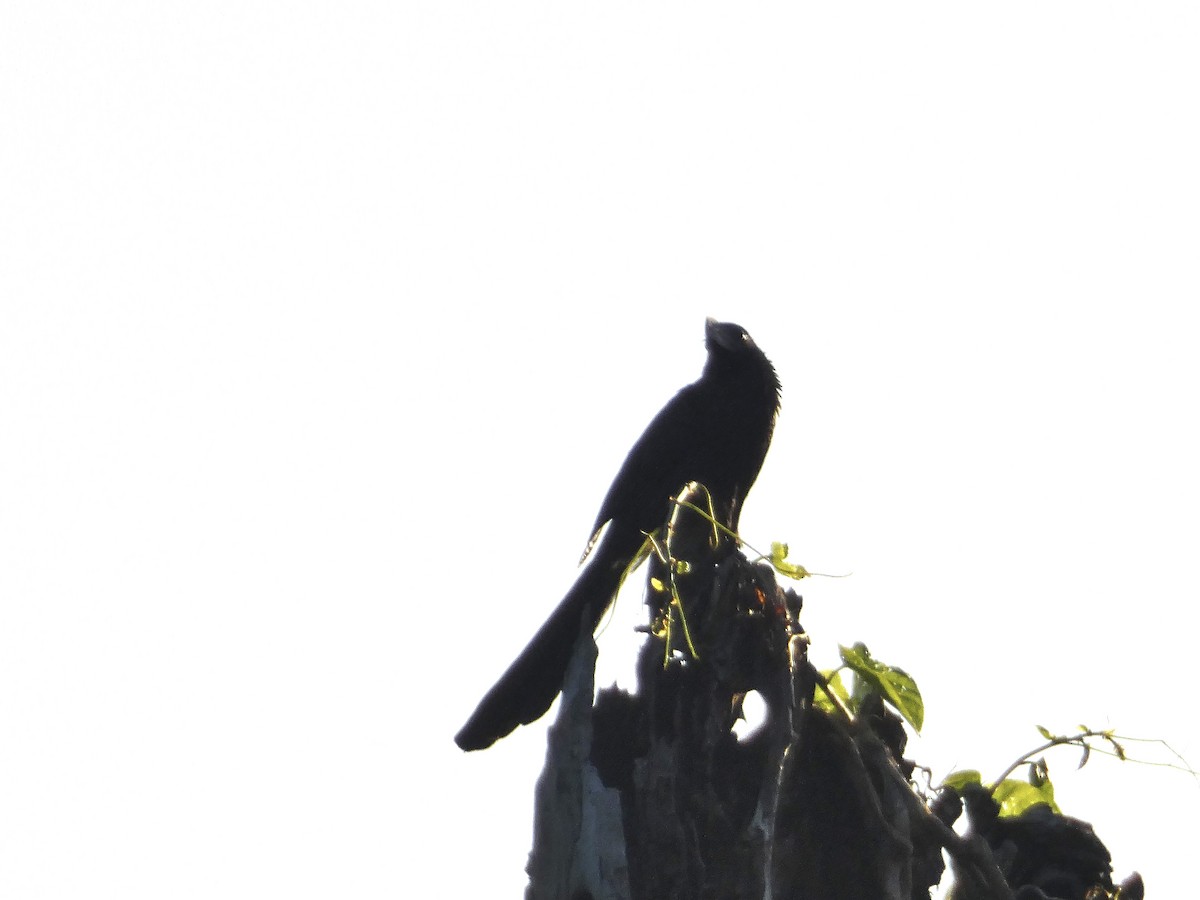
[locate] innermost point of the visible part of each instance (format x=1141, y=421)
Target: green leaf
x=960, y=779
x=838, y=687
x=893, y=684
x=1045, y=732
x=779, y=552
x=1016, y=796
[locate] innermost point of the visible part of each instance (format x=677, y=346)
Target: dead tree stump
x=651, y=795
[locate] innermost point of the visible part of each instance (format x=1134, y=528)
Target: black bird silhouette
x=714, y=431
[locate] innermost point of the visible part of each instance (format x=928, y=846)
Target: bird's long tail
x=528, y=687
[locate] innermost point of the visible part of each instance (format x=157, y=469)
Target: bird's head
x=727, y=337
x=731, y=349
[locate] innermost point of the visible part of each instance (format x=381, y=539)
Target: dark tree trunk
x=651, y=795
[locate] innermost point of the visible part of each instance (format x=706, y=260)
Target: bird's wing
x=654, y=469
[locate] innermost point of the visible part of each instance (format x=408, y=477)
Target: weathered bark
x=578, y=848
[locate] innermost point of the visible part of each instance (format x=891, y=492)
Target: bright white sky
x=325, y=327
